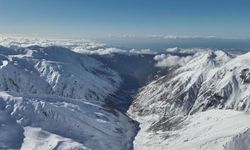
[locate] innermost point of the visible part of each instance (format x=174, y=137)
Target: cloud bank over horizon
x=78, y=45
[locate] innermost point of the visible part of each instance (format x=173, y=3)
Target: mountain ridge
x=209, y=81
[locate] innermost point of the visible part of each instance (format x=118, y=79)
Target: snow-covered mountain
x=76, y=97
x=169, y=108
x=56, y=71
x=54, y=98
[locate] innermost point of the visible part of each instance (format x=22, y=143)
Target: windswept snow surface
x=54, y=98
x=209, y=130
x=239, y=142
x=36, y=138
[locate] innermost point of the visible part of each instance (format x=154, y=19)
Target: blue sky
x=100, y=18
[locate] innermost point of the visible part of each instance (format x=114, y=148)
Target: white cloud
x=142, y=51
x=181, y=36
x=172, y=49
x=100, y=51
x=170, y=60
x=80, y=45
x=186, y=50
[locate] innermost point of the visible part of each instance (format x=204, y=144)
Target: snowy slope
x=239, y=142
x=64, y=121
x=54, y=98
x=210, y=80
x=209, y=130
